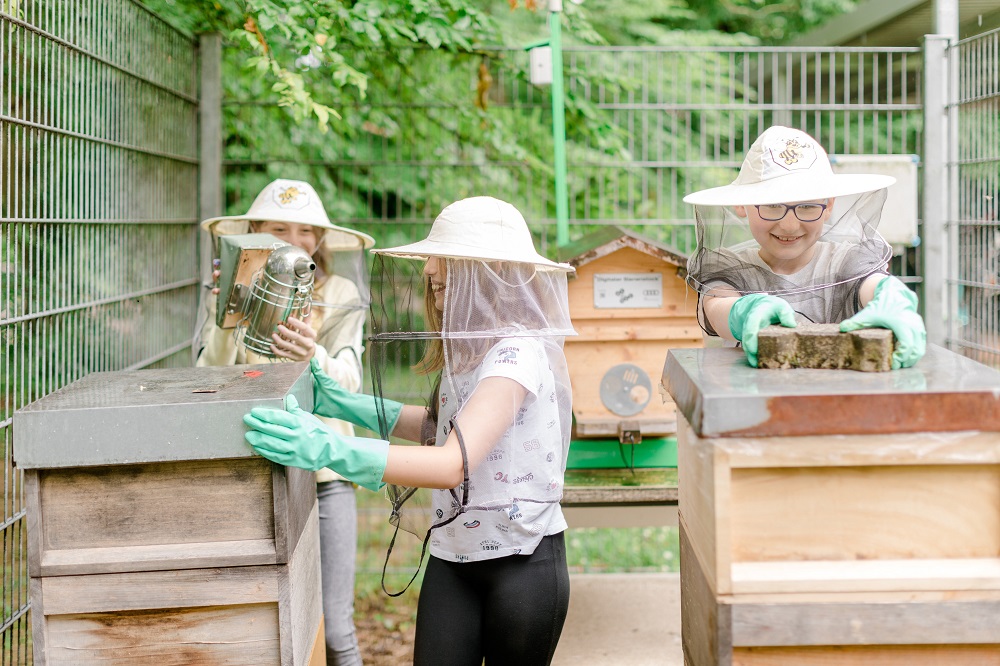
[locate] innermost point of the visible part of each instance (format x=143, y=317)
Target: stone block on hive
x=824, y=346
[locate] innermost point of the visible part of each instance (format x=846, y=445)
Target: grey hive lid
x=138, y=416
x=720, y=395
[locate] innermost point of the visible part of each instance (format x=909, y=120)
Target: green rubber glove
x=753, y=312
x=296, y=438
x=332, y=400
x=894, y=306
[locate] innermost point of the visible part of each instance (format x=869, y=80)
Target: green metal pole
x=559, y=124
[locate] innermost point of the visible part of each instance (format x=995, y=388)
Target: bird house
x=630, y=303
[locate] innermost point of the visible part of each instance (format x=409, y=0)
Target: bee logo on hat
x=291, y=197
x=795, y=155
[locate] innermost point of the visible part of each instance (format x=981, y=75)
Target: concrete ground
x=622, y=620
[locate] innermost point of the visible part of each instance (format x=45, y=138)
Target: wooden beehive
x=155, y=535
x=832, y=517
x=630, y=304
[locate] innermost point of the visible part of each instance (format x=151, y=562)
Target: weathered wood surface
x=301, y=612
x=243, y=615
x=928, y=627
x=620, y=487
x=903, y=512
x=806, y=540
x=231, y=635
x=164, y=515
x=619, y=495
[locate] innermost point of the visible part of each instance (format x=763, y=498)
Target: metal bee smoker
x=281, y=289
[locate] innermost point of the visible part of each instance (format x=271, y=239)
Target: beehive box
x=838, y=517
x=630, y=304
x=155, y=533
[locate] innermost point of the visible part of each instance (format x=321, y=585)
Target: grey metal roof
x=899, y=23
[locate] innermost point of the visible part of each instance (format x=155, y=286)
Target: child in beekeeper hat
x=331, y=337
x=773, y=248
x=496, y=585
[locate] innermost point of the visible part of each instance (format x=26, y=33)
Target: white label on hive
x=628, y=290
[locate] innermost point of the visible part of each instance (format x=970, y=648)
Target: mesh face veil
x=495, y=319
x=495, y=314
x=736, y=248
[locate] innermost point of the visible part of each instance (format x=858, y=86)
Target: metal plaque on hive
x=625, y=389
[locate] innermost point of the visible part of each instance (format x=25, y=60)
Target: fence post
x=935, y=189
x=210, y=159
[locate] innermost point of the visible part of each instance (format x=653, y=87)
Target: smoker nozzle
x=304, y=267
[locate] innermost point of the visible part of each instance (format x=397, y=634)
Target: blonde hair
x=433, y=358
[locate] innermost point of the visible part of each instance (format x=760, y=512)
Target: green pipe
x=559, y=131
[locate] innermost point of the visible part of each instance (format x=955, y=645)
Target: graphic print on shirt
x=514, y=491
x=507, y=356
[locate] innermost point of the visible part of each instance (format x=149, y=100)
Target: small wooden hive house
x=630, y=303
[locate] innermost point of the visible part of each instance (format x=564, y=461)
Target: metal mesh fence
x=668, y=121
x=975, y=276
x=98, y=182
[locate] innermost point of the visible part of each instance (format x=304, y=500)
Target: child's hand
x=215, y=276
x=894, y=306
x=753, y=312
x=295, y=340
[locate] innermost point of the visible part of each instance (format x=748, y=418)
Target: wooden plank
x=33, y=521
x=619, y=496
x=866, y=596
x=105, y=593
x=879, y=623
x=875, y=655
x=863, y=513
x=80, y=561
x=705, y=624
x=318, y=655
x=586, y=424
x=227, y=636
x=895, y=575
x=303, y=596
x=301, y=484
x=703, y=481
x=39, y=641
x=157, y=503
x=917, y=448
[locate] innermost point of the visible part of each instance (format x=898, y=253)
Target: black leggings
x=509, y=610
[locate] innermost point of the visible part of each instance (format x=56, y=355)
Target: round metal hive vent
x=625, y=389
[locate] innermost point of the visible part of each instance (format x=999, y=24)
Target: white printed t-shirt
x=514, y=492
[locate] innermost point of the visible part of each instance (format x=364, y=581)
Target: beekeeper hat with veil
x=340, y=294
x=497, y=288
x=787, y=166
x=340, y=250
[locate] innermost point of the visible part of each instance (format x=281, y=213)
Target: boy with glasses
x=773, y=249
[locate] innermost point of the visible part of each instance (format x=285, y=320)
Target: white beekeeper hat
x=786, y=165
x=478, y=228
x=296, y=202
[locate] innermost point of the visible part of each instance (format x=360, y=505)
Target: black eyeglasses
x=805, y=212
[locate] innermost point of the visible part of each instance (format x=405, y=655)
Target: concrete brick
x=824, y=346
